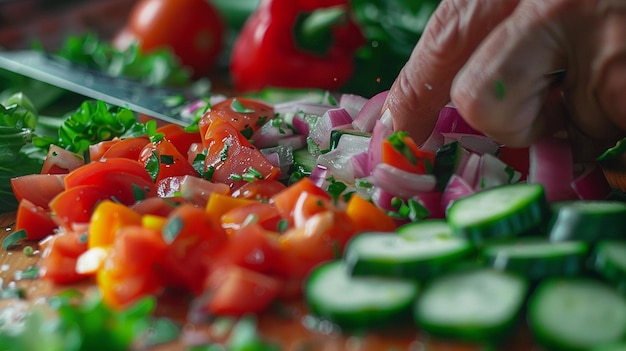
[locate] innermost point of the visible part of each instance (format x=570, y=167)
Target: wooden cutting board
x=290, y=327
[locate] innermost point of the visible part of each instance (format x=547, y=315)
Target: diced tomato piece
x=366, y=216
x=193, y=238
x=36, y=221
x=39, y=189
x=400, y=151
x=126, y=148
x=244, y=114
x=285, y=201
x=61, y=251
x=181, y=138
x=97, y=150
x=516, y=158
x=100, y=168
x=75, y=205
x=158, y=206
x=120, y=288
x=219, y=204
x=262, y=214
x=107, y=218
x=231, y=157
x=259, y=189
x=162, y=160
x=61, y=161
x=237, y=291
x=250, y=247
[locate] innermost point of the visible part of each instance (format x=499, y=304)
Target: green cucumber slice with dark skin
x=418, y=251
x=537, y=258
x=303, y=161
x=589, y=221
x=447, y=160
x=479, y=305
x=610, y=262
x=355, y=303
x=506, y=211
x=576, y=314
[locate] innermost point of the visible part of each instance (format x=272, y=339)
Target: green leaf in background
x=392, y=28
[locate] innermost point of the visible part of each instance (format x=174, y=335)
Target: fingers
x=502, y=89
x=452, y=34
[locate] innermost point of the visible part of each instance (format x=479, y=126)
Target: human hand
x=492, y=59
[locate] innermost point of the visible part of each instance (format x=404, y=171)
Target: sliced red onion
x=320, y=131
x=269, y=134
x=450, y=121
x=352, y=103
x=370, y=113
x=432, y=202
x=300, y=124
x=434, y=142
x=338, y=160
x=469, y=169
x=402, y=183
x=304, y=107
x=280, y=156
x=456, y=188
x=379, y=134
x=551, y=165
x=493, y=172
x=189, y=112
x=360, y=165
x=591, y=184
x=318, y=175
x=382, y=198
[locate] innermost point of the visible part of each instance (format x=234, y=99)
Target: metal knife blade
x=134, y=95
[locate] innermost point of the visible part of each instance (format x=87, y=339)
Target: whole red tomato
x=192, y=29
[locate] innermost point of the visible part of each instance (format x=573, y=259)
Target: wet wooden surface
x=290, y=328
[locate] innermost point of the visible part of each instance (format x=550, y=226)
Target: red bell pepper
x=296, y=44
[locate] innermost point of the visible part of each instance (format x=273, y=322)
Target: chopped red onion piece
x=370, y=113
x=551, y=165
x=338, y=160
x=402, y=183
x=432, y=202
x=591, y=184
x=375, y=149
x=189, y=111
x=469, y=169
x=360, y=165
x=352, y=103
x=320, y=131
x=319, y=174
x=450, y=121
x=269, y=135
x=304, y=107
x=280, y=156
x=456, y=188
x=493, y=172
x=434, y=142
x=300, y=124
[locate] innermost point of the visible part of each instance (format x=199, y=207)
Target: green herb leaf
x=238, y=107
x=13, y=239
x=172, y=229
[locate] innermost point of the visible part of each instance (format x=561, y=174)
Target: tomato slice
x=75, y=205
x=244, y=114
x=100, y=168
x=259, y=189
x=58, y=262
x=97, y=150
x=179, y=137
x=61, y=161
x=158, y=206
x=366, y=216
x=285, y=201
x=400, y=151
x=34, y=220
x=107, y=218
x=262, y=214
x=39, y=189
x=193, y=237
x=126, y=148
x=120, y=288
x=163, y=160
x=231, y=157
x=237, y=291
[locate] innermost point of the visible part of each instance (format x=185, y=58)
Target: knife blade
x=131, y=94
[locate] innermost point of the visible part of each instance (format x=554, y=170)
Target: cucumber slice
x=589, y=221
x=336, y=134
x=357, y=302
x=610, y=261
x=576, y=314
x=418, y=251
x=480, y=305
x=304, y=161
x=501, y=212
x=538, y=258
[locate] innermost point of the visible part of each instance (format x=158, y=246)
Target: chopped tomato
x=262, y=214
x=162, y=160
x=99, y=168
x=231, y=157
x=516, y=158
x=97, y=150
x=219, y=204
x=126, y=148
x=107, y=218
x=181, y=138
x=58, y=262
x=285, y=201
x=39, y=189
x=238, y=291
x=193, y=237
x=251, y=247
x=195, y=189
x=75, y=205
x=61, y=161
x=158, y=206
x=259, y=189
x=36, y=221
x=400, y=151
x=366, y=216
x=244, y=114
x=120, y=288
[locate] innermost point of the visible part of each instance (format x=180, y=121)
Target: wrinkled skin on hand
x=493, y=59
